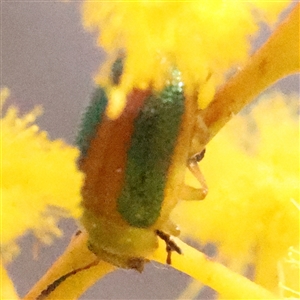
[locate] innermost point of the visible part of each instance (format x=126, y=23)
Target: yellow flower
x=40, y=181
x=289, y=275
x=203, y=39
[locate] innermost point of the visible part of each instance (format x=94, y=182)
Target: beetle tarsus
x=170, y=245
x=199, y=156
x=194, y=168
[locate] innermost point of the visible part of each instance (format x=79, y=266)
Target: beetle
x=134, y=169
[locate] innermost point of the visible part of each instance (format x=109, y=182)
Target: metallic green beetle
x=134, y=169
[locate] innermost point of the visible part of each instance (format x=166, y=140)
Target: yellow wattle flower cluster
x=289, y=273
x=37, y=174
x=203, y=39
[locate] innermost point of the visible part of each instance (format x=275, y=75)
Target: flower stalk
x=277, y=58
x=76, y=256
x=228, y=283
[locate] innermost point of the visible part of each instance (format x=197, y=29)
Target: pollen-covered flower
x=288, y=272
x=40, y=181
x=203, y=39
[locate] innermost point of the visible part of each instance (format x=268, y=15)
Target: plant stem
x=76, y=256
x=227, y=283
x=277, y=58
x=194, y=263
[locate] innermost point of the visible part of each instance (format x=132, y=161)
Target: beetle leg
x=170, y=227
x=188, y=192
x=170, y=245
